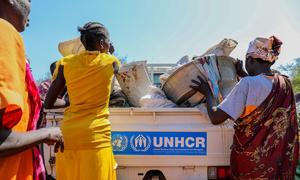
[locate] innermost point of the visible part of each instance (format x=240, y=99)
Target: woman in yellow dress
x=85, y=127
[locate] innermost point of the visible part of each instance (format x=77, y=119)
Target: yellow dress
x=85, y=127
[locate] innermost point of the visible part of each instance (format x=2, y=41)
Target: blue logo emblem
x=159, y=143
x=140, y=143
x=119, y=142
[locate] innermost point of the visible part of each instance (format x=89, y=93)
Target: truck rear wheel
x=154, y=175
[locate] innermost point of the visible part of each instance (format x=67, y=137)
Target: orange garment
x=248, y=109
x=14, y=97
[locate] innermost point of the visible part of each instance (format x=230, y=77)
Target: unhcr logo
x=160, y=143
x=119, y=142
x=179, y=142
x=140, y=143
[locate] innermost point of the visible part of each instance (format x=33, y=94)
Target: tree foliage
x=293, y=71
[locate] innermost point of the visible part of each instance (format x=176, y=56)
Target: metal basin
x=177, y=86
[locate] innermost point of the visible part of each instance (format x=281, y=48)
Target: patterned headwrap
x=266, y=49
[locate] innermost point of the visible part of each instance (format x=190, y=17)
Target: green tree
x=293, y=71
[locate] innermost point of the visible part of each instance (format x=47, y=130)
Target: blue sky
x=162, y=31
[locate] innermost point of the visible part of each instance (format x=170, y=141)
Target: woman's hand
x=115, y=67
x=12, y=142
x=215, y=114
x=239, y=69
x=111, y=48
x=201, y=86
x=55, y=137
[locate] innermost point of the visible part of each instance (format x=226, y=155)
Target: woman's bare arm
x=55, y=89
x=14, y=142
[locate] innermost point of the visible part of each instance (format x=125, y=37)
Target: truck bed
x=186, y=124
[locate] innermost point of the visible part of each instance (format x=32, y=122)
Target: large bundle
x=134, y=81
x=73, y=46
x=156, y=98
x=223, y=48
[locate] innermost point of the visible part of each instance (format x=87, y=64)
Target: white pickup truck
x=165, y=143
